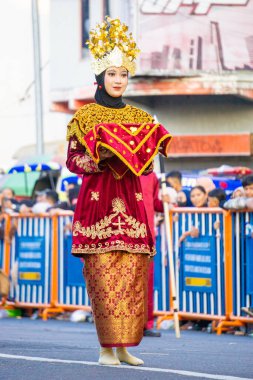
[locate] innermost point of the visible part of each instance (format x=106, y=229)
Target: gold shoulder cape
x=92, y=114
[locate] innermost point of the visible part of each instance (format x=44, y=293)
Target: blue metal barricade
x=71, y=286
x=161, y=273
x=199, y=264
x=45, y=274
x=30, y=261
x=242, y=261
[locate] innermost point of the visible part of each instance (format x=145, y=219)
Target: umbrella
x=22, y=177
x=37, y=167
x=229, y=170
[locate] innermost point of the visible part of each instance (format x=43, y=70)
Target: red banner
x=211, y=145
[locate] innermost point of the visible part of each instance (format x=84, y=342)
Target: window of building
x=106, y=7
x=85, y=14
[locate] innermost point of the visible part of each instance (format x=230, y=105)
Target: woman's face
x=198, y=198
x=116, y=80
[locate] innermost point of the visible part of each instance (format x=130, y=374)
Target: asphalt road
x=61, y=350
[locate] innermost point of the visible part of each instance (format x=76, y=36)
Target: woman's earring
x=100, y=87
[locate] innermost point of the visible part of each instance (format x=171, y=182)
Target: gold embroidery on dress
x=139, y=197
x=73, y=144
x=112, y=246
x=95, y=195
x=112, y=224
x=86, y=163
x=92, y=114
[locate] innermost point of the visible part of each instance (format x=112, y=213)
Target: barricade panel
x=199, y=263
x=200, y=269
x=161, y=273
x=242, y=261
x=71, y=285
x=48, y=275
x=30, y=261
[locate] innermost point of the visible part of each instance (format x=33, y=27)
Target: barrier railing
x=242, y=263
x=214, y=269
x=30, y=261
x=200, y=283
x=199, y=263
x=72, y=291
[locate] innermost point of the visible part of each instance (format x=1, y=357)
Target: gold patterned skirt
x=117, y=286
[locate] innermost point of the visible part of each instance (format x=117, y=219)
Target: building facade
x=195, y=72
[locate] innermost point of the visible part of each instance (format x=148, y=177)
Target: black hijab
x=103, y=98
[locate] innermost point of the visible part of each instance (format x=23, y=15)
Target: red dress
x=110, y=214
x=111, y=231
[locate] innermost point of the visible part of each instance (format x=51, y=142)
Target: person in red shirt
x=150, y=191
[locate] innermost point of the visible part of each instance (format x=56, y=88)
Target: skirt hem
x=111, y=345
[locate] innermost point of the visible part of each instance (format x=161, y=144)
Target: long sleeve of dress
x=78, y=161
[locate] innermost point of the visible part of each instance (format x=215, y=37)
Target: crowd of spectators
x=205, y=194
x=46, y=201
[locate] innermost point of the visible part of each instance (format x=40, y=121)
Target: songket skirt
x=117, y=287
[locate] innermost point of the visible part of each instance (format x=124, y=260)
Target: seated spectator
x=70, y=204
x=198, y=196
x=216, y=198
x=8, y=202
x=170, y=196
x=52, y=198
x=10, y=206
x=8, y=192
x=247, y=184
x=174, y=179
x=46, y=201
x=40, y=196
x=183, y=199
x=238, y=192
x=245, y=201
x=7, y=208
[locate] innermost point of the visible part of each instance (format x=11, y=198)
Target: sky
x=17, y=105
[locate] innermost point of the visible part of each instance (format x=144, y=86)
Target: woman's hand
x=105, y=153
x=193, y=232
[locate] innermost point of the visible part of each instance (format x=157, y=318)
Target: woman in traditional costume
x=110, y=227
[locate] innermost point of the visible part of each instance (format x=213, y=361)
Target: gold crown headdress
x=110, y=46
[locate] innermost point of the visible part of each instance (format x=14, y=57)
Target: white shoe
x=124, y=356
x=108, y=357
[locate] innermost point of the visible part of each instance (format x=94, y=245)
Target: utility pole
x=37, y=79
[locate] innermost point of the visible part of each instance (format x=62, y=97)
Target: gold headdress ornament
x=110, y=46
